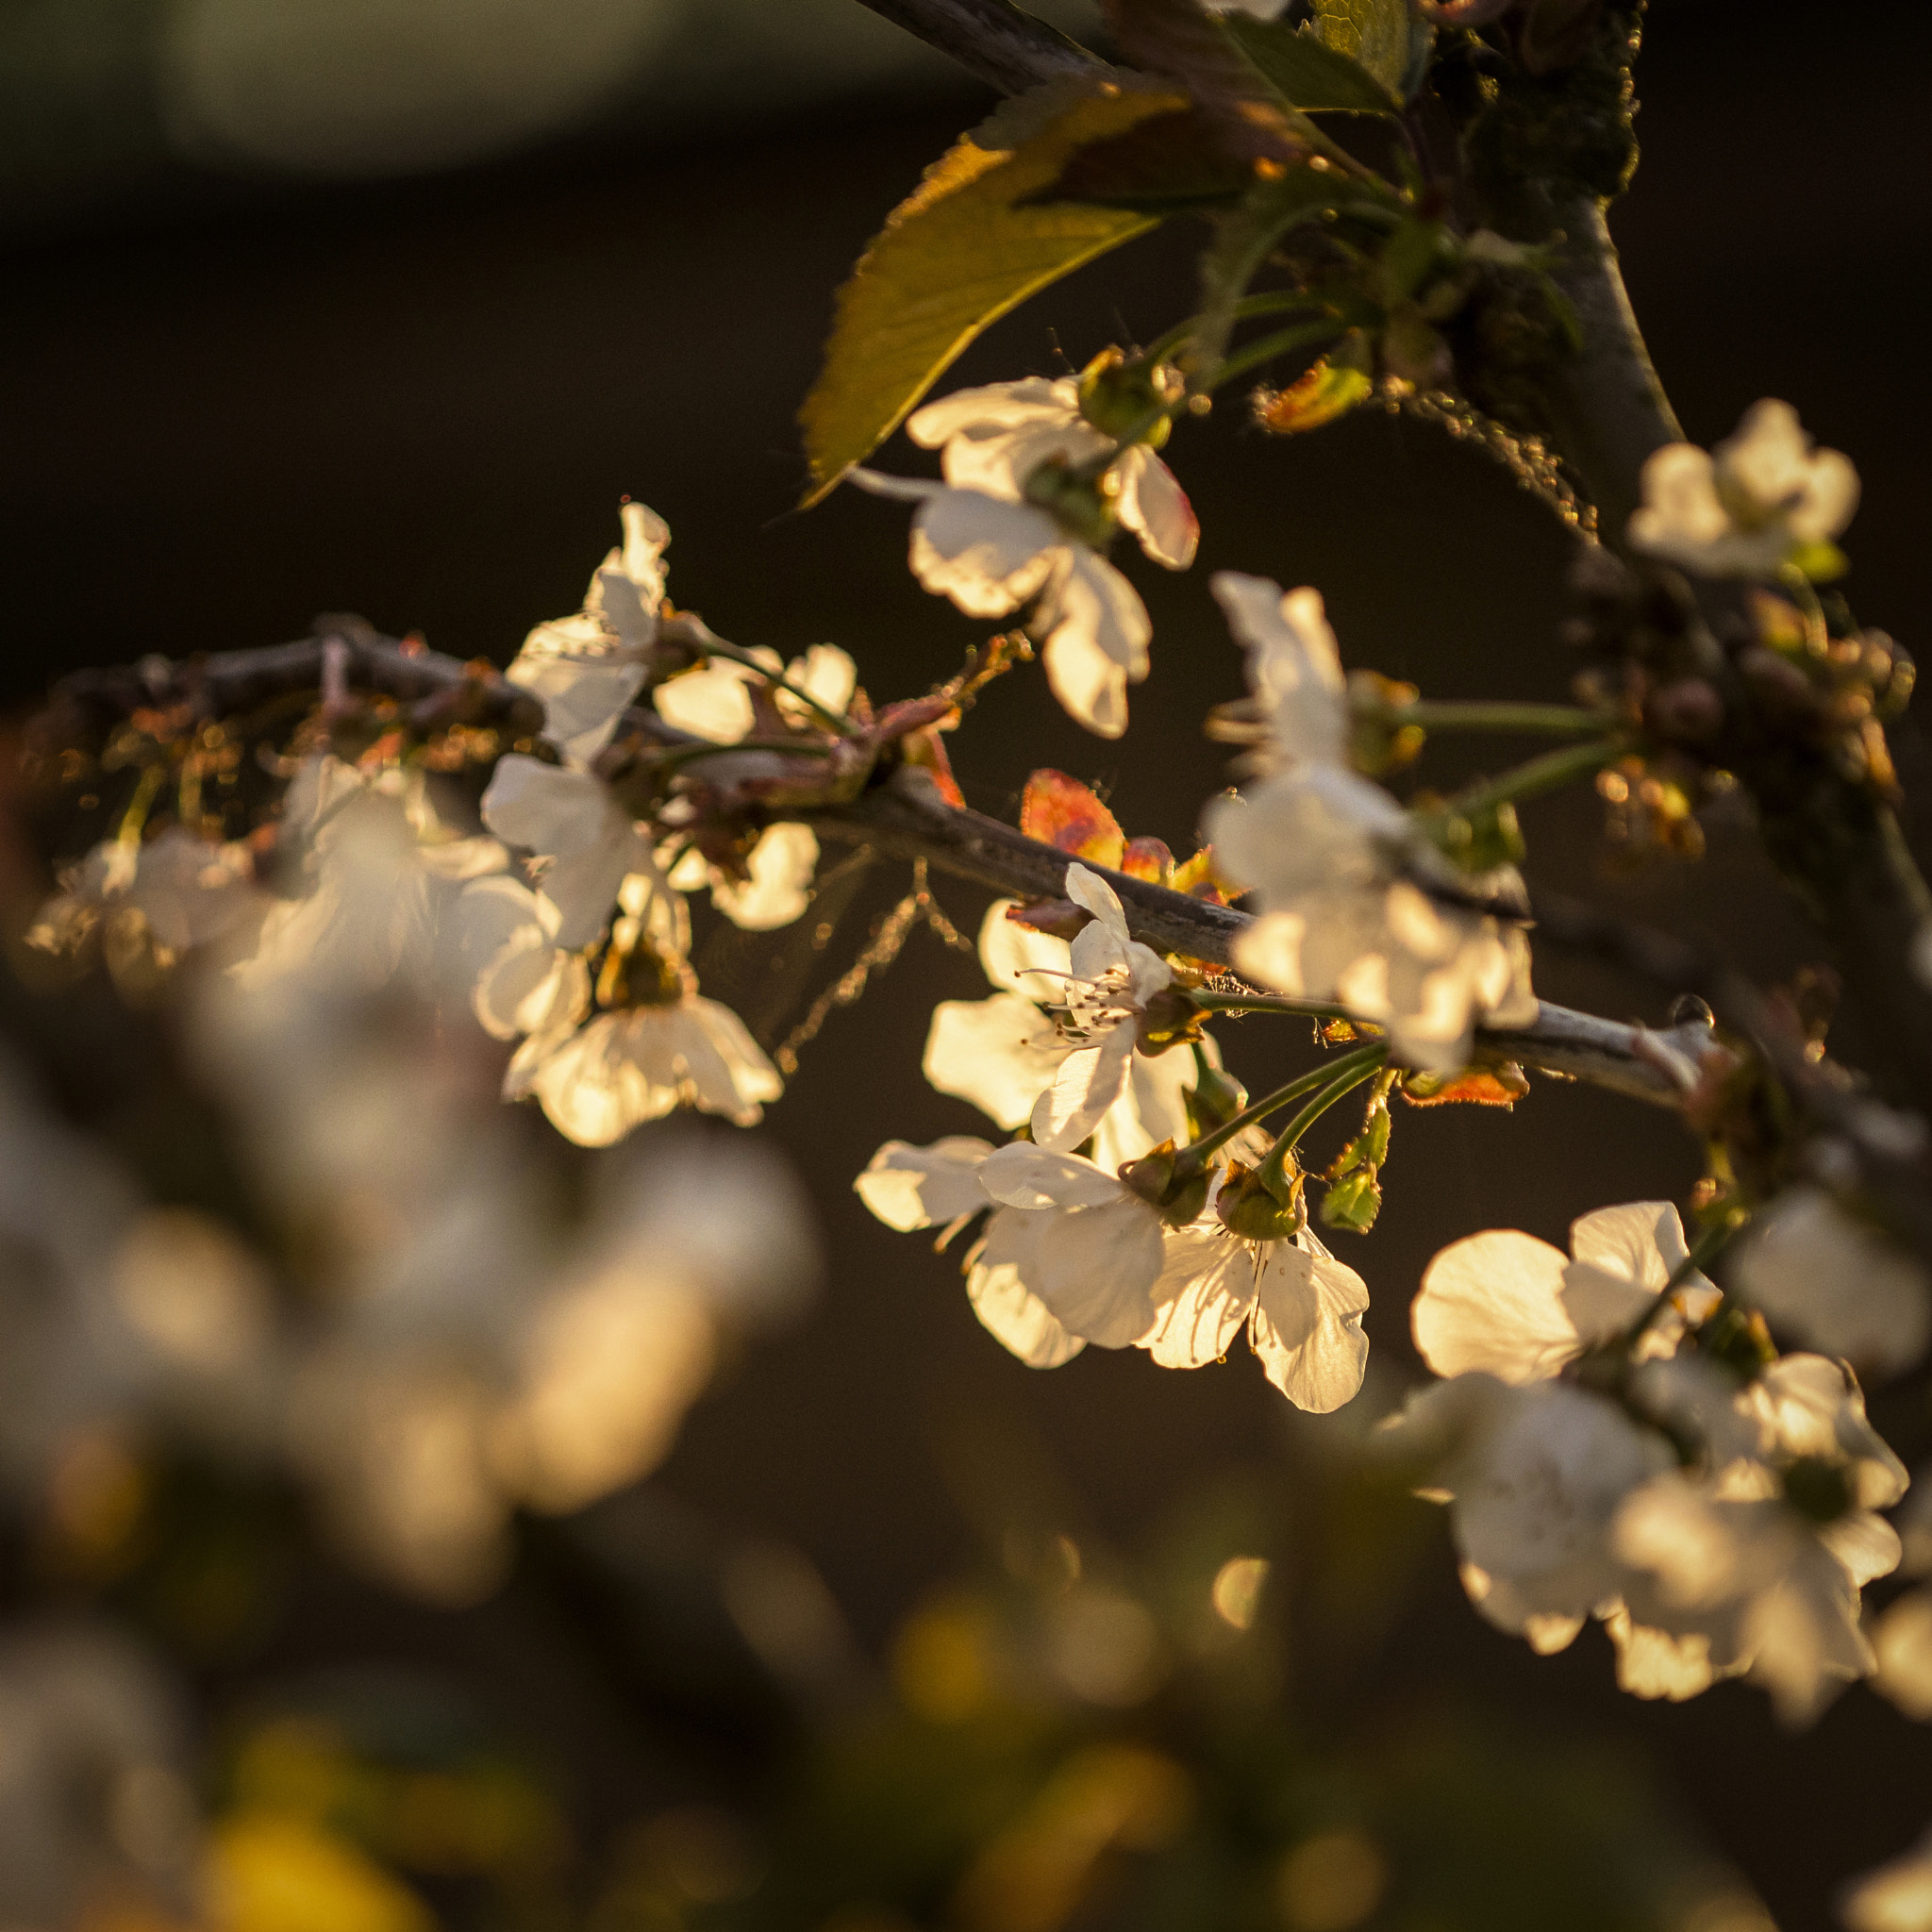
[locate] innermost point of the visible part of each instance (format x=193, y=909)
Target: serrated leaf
x=964, y=249
x=1305, y=70
x=1372, y=33
x=1501, y=1086
x=1069, y=816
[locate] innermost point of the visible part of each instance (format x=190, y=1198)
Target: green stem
x=1272, y=1173
x=1249, y=309
x=1193, y=1157
x=1559, y=720
x=1706, y=1247
x=1267, y=1003
x=1549, y=772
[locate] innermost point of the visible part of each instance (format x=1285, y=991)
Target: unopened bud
x=1160, y=1179
x=1247, y=1209
x=1214, y=1099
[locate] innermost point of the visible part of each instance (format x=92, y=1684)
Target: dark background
x=229, y=405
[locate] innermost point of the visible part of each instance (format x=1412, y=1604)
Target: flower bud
x=1247, y=1209
x=1214, y=1099
x=1161, y=1180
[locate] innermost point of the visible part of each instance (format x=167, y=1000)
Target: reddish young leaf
x=1501, y=1086
x=1062, y=812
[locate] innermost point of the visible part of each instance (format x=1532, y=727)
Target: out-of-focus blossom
x=1534, y=1473
x=585, y=842
x=527, y=982
x=1510, y=1306
x=1902, y=1640
x=1341, y=871
x=777, y=886
x=637, y=1063
x=1836, y=1283
x=379, y=865
x=587, y=667
x=93, y=1802
x=1897, y=1897
x=1742, y=509
x=1761, y=1563
x=1302, y=1308
x=1004, y=1053
x=186, y=891
x=715, y=700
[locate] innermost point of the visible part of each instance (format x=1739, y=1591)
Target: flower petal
x=909, y=1187
x=1493, y=1302
x=1306, y=1326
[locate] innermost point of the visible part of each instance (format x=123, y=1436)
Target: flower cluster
x=1615, y=1445
x=1762, y=499
x=1106, y=1248
x=1357, y=903
x=1033, y=491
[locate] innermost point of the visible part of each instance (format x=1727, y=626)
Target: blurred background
x=383, y=305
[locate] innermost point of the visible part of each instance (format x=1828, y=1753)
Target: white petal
x=998, y=1053
x=1022, y=1175
x=582, y=699
x=1090, y=686
x=1306, y=1326
x=987, y=557
x=1203, y=1296
x=1493, y=1302
x=531, y=987
x=995, y=406
x=712, y=702
x=1093, y=603
x=1092, y=893
x=1096, y=1269
x=1005, y=1308
x=1086, y=1085
x=909, y=1187
x=1156, y=508
x=1018, y=958
x=782, y=865
x=726, y=1065
x=544, y=808
x=1293, y=666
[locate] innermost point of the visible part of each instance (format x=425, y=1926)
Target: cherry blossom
x=1004, y=1053
x=1303, y=1310
x=994, y=438
x=1507, y=1304
x=597, y=1082
x=1742, y=510
x=1835, y=1282
x=187, y=892
x=585, y=842
x=1341, y=874
x=527, y=983
x=587, y=667
x=1897, y=1897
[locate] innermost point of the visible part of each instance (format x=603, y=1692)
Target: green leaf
x=1305, y=70
x=961, y=251
x=1372, y=33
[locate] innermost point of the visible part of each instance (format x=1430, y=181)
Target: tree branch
x=1007, y=48
x=905, y=818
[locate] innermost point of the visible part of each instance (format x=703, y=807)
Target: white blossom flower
x=1510, y=1306
x=1742, y=509
x=527, y=982
x=1896, y=1897
x=776, y=887
x=993, y=438
x=1002, y=1053
x=1341, y=870
x=909, y=1188
x=1302, y=1310
x=1757, y=1564
x=715, y=700
x=188, y=891
x=1112, y=978
x=989, y=556
x=1835, y=1283
x=585, y=842
x=382, y=865
x=587, y=667
x=597, y=1082
x=1536, y=1474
